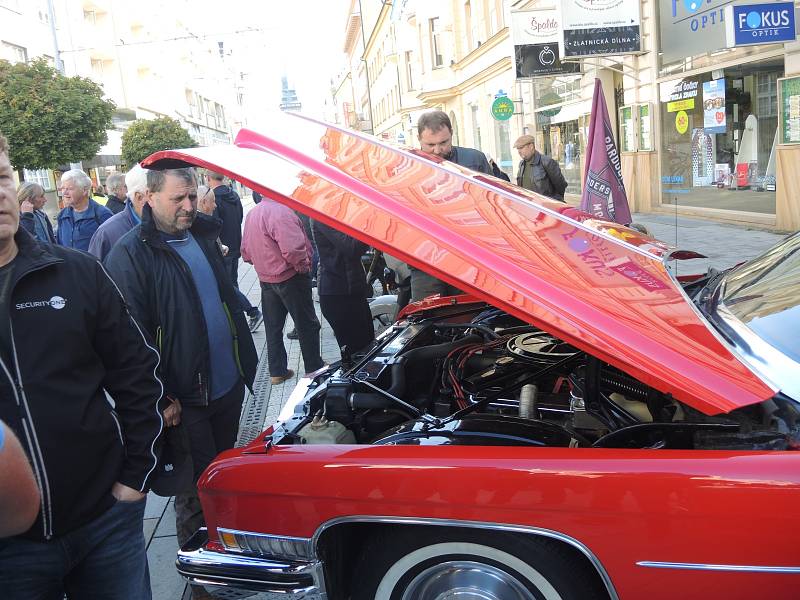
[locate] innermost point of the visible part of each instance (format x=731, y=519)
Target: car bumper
x=278, y=579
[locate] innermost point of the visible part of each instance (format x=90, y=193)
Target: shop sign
x=536, y=35
x=691, y=27
x=502, y=108
x=682, y=122
x=789, y=110
x=714, y=118
x=760, y=24
x=677, y=105
x=600, y=27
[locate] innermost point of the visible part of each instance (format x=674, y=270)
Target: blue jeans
x=105, y=559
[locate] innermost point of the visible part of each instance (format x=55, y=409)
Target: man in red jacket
x=275, y=243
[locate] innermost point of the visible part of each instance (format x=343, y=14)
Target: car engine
x=478, y=376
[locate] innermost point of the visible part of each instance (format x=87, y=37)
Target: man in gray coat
x=435, y=133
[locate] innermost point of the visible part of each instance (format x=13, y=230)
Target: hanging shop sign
x=536, y=35
x=502, y=108
x=600, y=27
x=750, y=24
x=714, y=118
x=691, y=27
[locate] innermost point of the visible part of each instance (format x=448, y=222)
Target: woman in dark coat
x=342, y=288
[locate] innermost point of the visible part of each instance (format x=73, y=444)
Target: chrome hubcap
x=466, y=580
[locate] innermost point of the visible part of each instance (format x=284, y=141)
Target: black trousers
x=211, y=429
x=293, y=297
x=232, y=265
x=350, y=319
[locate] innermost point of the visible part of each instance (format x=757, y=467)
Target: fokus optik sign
x=760, y=23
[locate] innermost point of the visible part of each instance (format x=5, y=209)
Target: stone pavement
x=725, y=245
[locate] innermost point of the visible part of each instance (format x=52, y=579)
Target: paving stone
x=149, y=527
x=164, y=579
x=155, y=506
x=166, y=526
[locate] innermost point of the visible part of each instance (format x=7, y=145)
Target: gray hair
x=136, y=180
x=114, y=182
x=77, y=176
x=433, y=120
x=156, y=179
x=28, y=191
x=215, y=176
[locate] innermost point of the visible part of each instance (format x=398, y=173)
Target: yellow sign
x=677, y=105
x=682, y=122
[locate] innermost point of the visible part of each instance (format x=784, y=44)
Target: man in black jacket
x=65, y=337
x=171, y=273
x=537, y=172
x=117, y=192
x=229, y=210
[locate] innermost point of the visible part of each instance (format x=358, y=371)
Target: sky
x=302, y=39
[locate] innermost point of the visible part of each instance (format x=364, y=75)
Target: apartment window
x=410, y=69
x=14, y=53
x=97, y=68
x=90, y=16
x=220, y=115
x=191, y=100
x=40, y=176
x=436, y=42
x=496, y=15
x=476, y=125
x=468, y=26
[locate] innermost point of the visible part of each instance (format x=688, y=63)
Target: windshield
x=764, y=295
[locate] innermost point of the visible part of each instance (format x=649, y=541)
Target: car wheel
x=470, y=565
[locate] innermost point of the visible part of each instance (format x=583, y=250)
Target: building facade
x=698, y=123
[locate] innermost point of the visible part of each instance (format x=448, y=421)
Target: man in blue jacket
x=81, y=216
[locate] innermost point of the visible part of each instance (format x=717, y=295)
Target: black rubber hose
x=440, y=350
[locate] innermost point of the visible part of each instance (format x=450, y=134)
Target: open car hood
x=597, y=285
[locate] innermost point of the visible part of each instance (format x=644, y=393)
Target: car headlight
x=274, y=546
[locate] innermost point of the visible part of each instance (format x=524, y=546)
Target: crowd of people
x=126, y=350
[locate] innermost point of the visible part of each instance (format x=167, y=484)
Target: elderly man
x=172, y=275
x=537, y=172
x=121, y=223
x=81, y=216
x=117, y=192
x=93, y=462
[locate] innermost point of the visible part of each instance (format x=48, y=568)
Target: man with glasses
x=537, y=172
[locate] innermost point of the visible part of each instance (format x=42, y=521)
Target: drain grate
x=254, y=409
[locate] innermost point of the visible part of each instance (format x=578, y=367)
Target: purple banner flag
x=603, y=191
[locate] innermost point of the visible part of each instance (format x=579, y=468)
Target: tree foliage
x=146, y=136
x=48, y=118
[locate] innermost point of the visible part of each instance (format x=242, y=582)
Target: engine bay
x=478, y=376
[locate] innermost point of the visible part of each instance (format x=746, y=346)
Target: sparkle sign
x=502, y=108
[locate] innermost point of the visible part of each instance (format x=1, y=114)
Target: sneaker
x=281, y=378
x=254, y=320
x=292, y=335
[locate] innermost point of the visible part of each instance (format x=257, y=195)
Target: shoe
x=254, y=320
x=292, y=335
x=281, y=378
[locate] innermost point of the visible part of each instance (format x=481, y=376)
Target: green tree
x=146, y=136
x=50, y=119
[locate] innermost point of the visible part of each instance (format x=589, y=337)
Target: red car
x=579, y=424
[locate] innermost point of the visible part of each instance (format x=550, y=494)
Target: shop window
x=40, y=176
x=718, y=138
